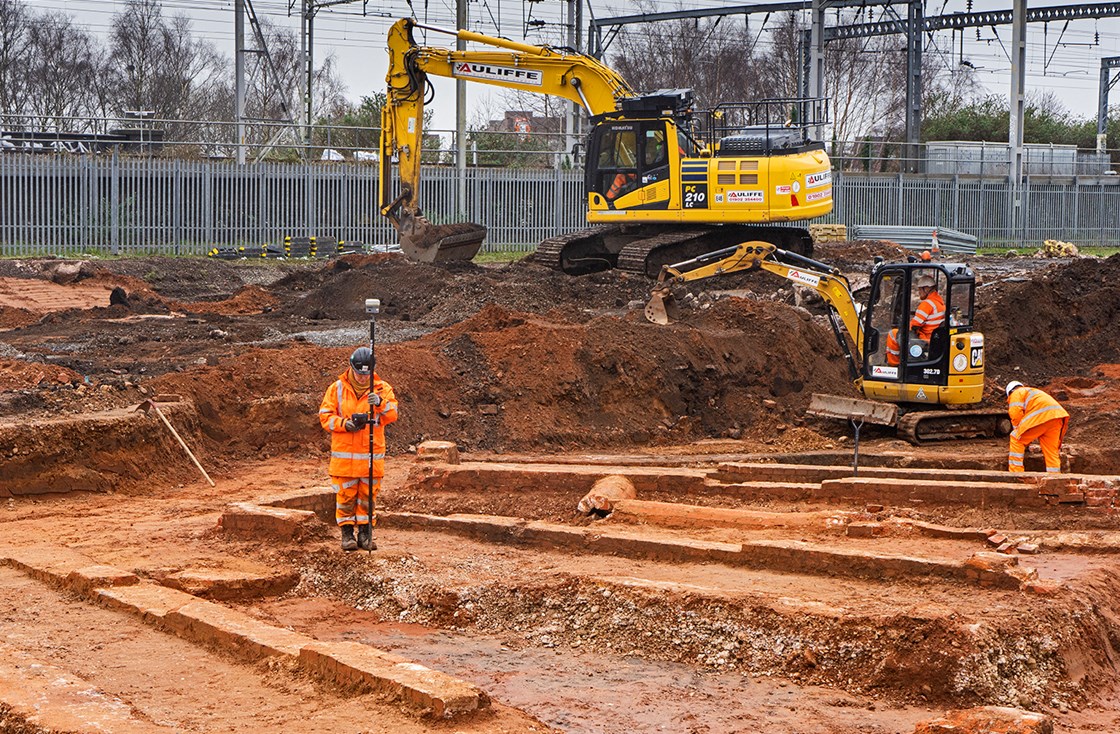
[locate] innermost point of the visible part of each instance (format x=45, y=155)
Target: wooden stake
x=149, y=404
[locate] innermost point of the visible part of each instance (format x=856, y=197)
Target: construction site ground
x=752, y=584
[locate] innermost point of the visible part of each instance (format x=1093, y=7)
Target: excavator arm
x=520, y=66
x=827, y=281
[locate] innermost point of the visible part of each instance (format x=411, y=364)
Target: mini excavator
x=663, y=182
x=925, y=388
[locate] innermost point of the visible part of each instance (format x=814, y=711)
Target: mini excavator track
x=920, y=426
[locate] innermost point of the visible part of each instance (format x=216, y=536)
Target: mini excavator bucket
x=425, y=242
x=852, y=409
x=661, y=307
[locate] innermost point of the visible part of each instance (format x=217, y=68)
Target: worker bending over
x=349, y=411
x=1035, y=415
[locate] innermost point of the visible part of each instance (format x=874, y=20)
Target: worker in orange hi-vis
x=930, y=313
x=349, y=412
x=1035, y=415
x=894, y=352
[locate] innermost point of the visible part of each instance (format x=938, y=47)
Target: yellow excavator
x=917, y=358
x=663, y=181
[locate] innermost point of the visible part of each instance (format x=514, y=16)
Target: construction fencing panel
x=114, y=204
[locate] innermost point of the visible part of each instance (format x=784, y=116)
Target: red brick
x=1073, y=498
x=1042, y=587
x=997, y=539
x=1029, y=548
x=864, y=529
x=1007, y=547
x=1098, y=501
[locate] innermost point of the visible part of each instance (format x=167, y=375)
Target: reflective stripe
x=1053, y=469
x=324, y=410
x=351, y=483
x=378, y=456
x=1019, y=404
x=1014, y=463
x=1012, y=453
x=339, y=384
x=350, y=455
x=1040, y=411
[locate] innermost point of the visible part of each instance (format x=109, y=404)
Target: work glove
x=375, y=400
x=359, y=420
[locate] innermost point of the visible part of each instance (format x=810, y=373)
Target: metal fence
x=115, y=204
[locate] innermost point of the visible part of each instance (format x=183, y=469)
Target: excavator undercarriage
x=646, y=249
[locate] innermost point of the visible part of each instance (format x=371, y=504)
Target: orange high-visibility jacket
x=929, y=315
x=894, y=352
x=1029, y=407
x=350, y=451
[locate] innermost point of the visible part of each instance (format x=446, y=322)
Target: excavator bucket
x=425, y=242
x=662, y=307
x=860, y=411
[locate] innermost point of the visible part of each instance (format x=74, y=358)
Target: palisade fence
x=116, y=204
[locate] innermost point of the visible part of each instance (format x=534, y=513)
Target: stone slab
x=150, y=602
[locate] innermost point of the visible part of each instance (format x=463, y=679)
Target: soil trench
x=752, y=583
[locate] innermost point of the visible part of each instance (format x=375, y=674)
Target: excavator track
x=577, y=253
x=646, y=256
x=921, y=426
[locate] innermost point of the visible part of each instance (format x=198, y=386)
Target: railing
x=156, y=200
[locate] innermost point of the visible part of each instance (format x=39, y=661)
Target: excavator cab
x=919, y=343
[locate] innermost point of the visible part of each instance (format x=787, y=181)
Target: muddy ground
x=515, y=359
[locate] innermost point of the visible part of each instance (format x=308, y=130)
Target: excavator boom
x=520, y=66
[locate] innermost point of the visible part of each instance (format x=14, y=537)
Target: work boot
x=348, y=542
x=365, y=538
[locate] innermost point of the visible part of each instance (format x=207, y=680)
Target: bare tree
x=15, y=31
x=63, y=65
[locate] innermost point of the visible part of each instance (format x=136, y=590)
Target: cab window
x=885, y=339
x=960, y=306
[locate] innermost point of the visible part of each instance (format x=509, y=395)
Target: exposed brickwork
x=441, y=451
x=85, y=580
x=367, y=668
x=247, y=520
x=895, y=492
x=213, y=624
x=319, y=500
x=988, y=720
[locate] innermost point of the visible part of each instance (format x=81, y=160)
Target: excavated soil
x=516, y=358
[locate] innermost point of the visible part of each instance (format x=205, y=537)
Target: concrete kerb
x=212, y=624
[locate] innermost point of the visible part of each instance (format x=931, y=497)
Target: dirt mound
x=1063, y=321
x=506, y=380
x=857, y=255
x=16, y=374
x=438, y=295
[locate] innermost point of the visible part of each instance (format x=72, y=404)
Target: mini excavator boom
x=888, y=360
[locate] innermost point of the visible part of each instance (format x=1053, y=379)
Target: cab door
x=632, y=165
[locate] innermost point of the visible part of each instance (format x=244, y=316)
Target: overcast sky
x=1062, y=59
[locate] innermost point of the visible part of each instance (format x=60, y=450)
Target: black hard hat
x=361, y=360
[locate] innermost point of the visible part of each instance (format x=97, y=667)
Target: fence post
x=557, y=201
x=898, y=213
x=115, y=203
x=957, y=202
x=177, y=207
x=1076, y=207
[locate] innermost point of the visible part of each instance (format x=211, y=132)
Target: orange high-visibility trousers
x=351, y=499
x=1050, y=435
